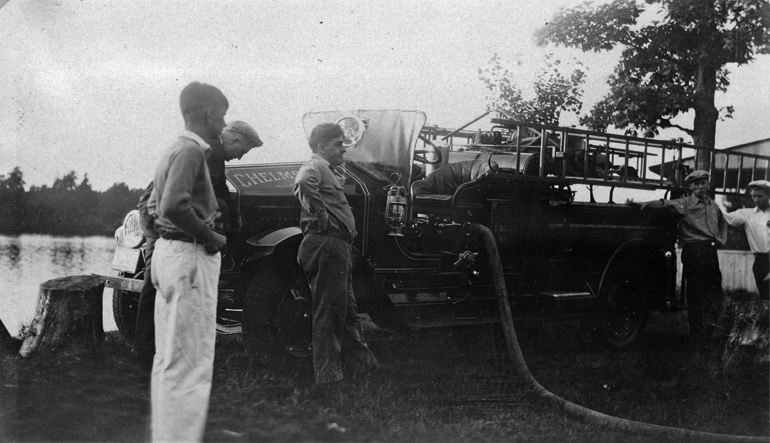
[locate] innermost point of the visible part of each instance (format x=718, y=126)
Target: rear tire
x=622, y=312
x=277, y=316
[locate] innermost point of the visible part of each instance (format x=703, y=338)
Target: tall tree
x=66, y=183
x=14, y=182
x=555, y=92
x=12, y=202
x=669, y=66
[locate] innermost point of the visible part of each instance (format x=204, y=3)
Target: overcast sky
x=93, y=86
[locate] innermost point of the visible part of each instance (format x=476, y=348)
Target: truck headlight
x=130, y=234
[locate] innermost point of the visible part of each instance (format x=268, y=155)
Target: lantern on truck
x=395, y=207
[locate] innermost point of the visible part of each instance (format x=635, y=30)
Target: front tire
x=125, y=305
x=622, y=311
x=277, y=316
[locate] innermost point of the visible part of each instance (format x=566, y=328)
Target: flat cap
x=761, y=184
x=245, y=129
x=696, y=175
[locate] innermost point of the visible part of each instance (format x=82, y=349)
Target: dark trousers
x=144, y=335
x=761, y=269
x=704, y=287
x=327, y=263
x=223, y=227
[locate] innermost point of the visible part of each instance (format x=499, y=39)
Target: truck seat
x=435, y=192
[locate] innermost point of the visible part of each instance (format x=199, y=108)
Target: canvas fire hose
x=575, y=410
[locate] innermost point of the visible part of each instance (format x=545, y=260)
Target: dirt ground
x=441, y=386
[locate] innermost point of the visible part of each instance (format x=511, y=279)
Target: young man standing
x=144, y=329
x=185, y=271
x=702, y=230
x=238, y=138
x=756, y=221
x=326, y=257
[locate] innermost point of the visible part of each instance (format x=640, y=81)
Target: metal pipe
x=466, y=125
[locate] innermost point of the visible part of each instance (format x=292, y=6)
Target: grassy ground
x=442, y=386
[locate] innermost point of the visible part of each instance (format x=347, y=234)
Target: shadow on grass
x=447, y=386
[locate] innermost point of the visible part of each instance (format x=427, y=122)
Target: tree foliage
x=674, y=64
x=66, y=208
x=554, y=91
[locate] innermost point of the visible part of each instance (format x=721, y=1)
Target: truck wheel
x=124, y=308
x=622, y=306
x=277, y=316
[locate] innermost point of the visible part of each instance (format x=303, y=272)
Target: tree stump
x=68, y=313
x=746, y=328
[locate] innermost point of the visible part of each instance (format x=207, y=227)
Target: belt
x=704, y=242
x=335, y=234
x=178, y=237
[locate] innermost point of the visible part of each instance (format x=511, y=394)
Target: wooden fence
x=735, y=267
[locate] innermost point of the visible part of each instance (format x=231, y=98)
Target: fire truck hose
x=577, y=411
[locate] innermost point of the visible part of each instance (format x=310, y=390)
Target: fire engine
x=554, y=198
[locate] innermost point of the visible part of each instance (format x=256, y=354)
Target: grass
x=443, y=386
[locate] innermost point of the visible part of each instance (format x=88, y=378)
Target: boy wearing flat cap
x=238, y=138
x=756, y=222
x=702, y=229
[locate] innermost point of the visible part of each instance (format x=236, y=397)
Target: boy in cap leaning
x=702, y=230
x=238, y=138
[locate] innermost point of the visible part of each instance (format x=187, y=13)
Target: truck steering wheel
x=419, y=154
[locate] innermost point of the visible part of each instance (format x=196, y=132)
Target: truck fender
x=370, y=298
x=643, y=254
x=267, y=243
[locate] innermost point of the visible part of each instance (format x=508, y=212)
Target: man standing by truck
x=702, y=230
x=756, y=221
x=238, y=138
x=185, y=271
x=326, y=257
x=144, y=332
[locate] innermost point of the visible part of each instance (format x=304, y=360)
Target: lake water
x=28, y=260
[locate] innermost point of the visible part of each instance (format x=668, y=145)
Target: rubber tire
x=124, y=308
x=623, y=306
x=277, y=316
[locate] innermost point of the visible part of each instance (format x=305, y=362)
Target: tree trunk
x=68, y=313
x=706, y=114
x=746, y=348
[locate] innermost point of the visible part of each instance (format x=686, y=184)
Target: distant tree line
x=67, y=208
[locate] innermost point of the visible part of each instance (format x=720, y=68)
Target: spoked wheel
x=623, y=306
x=277, y=316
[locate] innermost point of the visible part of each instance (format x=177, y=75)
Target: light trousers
x=186, y=278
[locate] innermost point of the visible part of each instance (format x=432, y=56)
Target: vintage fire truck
x=554, y=198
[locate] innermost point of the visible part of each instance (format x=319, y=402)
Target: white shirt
x=755, y=221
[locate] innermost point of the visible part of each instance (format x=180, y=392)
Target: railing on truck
x=596, y=158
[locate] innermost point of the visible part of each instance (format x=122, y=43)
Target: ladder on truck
x=597, y=158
